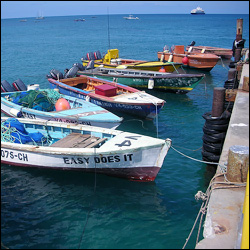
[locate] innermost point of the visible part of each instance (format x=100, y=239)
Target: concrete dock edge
x=224, y=212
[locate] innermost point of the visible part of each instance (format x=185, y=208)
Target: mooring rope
x=223, y=65
x=156, y=111
x=206, y=196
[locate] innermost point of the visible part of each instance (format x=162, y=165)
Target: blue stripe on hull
x=144, y=111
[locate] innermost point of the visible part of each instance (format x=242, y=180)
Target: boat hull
x=223, y=53
x=105, y=164
x=87, y=115
x=146, y=110
x=199, y=61
x=176, y=84
x=125, y=155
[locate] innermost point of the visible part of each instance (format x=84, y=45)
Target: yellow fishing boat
x=112, y=60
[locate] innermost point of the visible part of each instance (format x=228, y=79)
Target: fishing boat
x=49, y=105
x=110, y=95
x=130, y=17
x=194, y=60
x=67, y=146
x=221, y=52
x=197, y=11
x=112, y=60
x=80, y=20
x=169, y=82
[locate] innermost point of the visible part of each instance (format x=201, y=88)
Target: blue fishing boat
x=110, y=95
x=49, y=105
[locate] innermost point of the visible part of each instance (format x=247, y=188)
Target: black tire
x=6, y=87
x=56, y=74
x=213, y=138
x=207, y=154
x=19, y=85
x=213, y=147
x=213, y=132
x=220, y=128
x=223, y=119
x=214, y=159
x=71, y=73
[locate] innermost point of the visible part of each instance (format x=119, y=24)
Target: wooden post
x=239, y=27
x=218, y=102
x=238, y=163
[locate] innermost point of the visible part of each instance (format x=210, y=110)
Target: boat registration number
x=11, y=155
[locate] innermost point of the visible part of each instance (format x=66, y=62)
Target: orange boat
x=222, y=52
x=194, y=60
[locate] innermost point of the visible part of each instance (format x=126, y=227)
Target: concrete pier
x=224, y=212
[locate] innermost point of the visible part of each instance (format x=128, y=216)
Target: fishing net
x=43, y=100
x=14, y=131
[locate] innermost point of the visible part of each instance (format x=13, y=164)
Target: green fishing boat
x=168, y=82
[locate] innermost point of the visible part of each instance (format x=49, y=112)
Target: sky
x=20, y=9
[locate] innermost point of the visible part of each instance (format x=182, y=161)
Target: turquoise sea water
x=42, y=209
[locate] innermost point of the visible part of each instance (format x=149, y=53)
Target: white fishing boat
x=66, y=146
x=131, y=17
x=198, y=10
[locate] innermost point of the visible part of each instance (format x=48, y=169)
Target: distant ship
x=198, y=11
x=130, y=17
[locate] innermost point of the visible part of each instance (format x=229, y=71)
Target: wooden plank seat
x=76, y=140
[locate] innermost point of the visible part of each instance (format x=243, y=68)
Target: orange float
x=62, y=104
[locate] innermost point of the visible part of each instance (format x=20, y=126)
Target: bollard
x=218, y=102
x=231, y=74
x=239, y=29
x=238, y=163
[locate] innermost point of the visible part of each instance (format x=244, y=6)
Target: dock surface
x=224, y=212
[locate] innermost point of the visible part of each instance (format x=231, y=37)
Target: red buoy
x=162, y=69
x=185, y=60
x=62, y=104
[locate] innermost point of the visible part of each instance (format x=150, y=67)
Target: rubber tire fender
x=213, y=132
x=219, y=128
x=213, y=147
x=223, y=119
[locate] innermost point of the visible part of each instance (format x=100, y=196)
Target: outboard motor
x=97, y=55
x=71, y=73
x=19, y=85
x=91, y=65
x=79, y=66
x=90, y=56
x=6, y=87
x=56, y=74
x=192, y=43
